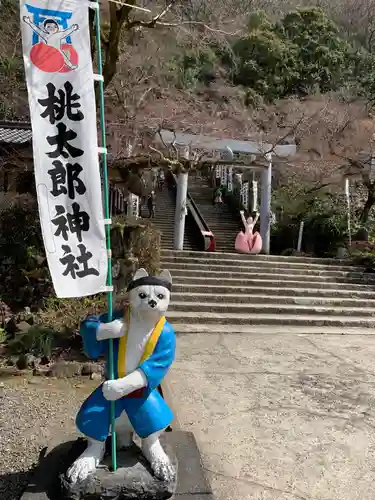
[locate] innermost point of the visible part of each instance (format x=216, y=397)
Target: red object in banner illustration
x=52, y=50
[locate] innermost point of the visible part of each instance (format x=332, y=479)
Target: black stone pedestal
x=133, y=479
x=47, y=482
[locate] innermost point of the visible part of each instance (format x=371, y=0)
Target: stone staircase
x=164, y=219
x=219, y=219
x=224, y=293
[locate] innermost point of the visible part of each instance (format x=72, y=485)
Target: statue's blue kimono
x=145, y=408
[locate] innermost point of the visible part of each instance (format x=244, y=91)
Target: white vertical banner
x=347, y=195
x=372, y=167
x=59, y=76
x=238, y=180
x=230, y=179
x=245, y=195
x=254, y=203
x=135, y=205
x=218, y=171
x=223, y=175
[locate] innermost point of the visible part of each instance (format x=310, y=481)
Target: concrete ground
x=281, y=417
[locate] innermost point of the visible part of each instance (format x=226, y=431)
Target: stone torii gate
x=233, y=153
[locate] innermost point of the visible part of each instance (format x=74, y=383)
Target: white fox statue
x=144, y=350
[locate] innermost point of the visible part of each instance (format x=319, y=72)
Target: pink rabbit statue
x=248, y=242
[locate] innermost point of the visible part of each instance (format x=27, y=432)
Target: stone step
x=271, y=309
x=218, y=290
x=194, y=328
x=228, y=238
x=219, y=218
x=216, y=213
x=228, y=235
x=246, y=257
x=220, y=248
x=264, y=267
x=210, y=318
x=163, y=219
x=267, y=283
x=277, y=276
x=222, y=219
x=228, y=241
x=167, y=226
x=261, y=298
x=167, y=232
x=179, y=262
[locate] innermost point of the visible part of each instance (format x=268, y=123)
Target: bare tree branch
x=291, y=131
x=155, y=20
x=126, y=4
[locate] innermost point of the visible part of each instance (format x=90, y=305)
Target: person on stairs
x=218, y=196
x=154, y=178
x=161, y=179
x=151, y=202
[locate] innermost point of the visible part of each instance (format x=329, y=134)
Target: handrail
x=234, y=208
x=208, y=238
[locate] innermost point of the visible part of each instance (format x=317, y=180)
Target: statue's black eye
x=160, y=296
x=142, y=295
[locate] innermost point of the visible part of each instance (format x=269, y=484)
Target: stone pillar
x=129, y=211
x=181, y=211
x=265, y=206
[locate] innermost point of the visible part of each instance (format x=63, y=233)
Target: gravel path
x=35, y=412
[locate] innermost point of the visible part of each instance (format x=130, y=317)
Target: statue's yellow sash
x=149, y=348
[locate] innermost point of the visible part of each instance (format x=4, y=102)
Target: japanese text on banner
x=59, y=77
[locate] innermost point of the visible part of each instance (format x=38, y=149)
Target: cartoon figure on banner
x=248, y=242
x=52, y=50
x=144, y=350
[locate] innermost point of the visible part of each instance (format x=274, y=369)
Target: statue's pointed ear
x=166, y=276
x=141, y=273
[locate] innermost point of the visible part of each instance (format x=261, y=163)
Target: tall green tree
x=322, y=55
x=301, y=53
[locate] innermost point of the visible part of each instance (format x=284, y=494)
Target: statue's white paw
x=81, y=468
x=112, y=390
x=163, y=469
x=112, y=330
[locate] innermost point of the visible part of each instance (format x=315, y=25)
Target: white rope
x=132, y=6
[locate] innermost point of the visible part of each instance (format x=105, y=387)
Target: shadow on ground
x=13, y=484
x=43, y=477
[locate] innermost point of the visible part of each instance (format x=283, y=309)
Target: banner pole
x=111, y=373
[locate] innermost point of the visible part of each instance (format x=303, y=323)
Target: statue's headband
x=149, y=280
